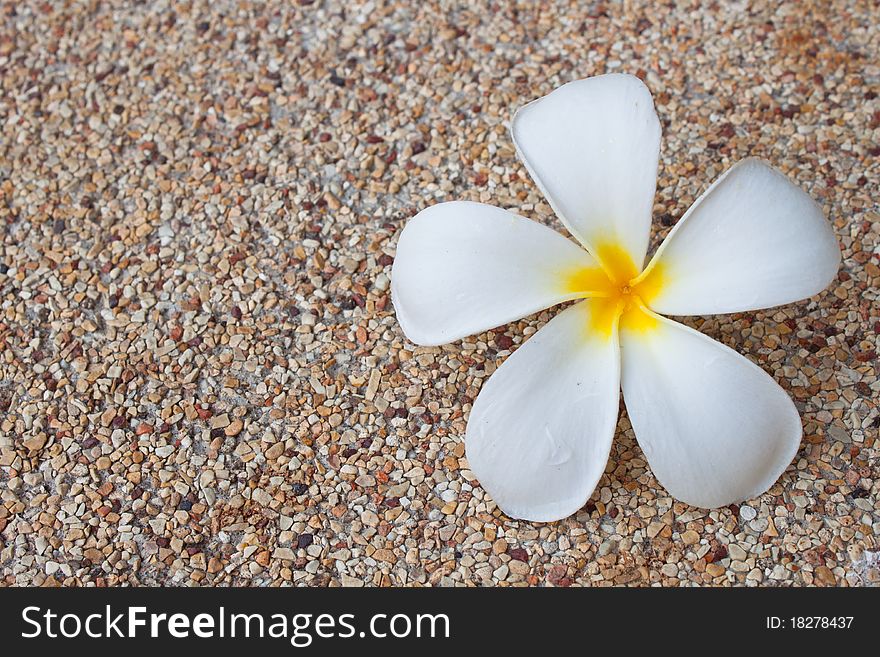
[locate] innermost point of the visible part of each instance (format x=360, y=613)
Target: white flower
x=715, y=428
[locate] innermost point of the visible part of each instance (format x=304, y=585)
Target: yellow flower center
x=621, y=294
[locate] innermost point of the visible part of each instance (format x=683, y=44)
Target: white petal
x=592, y=148
x=462, y=268
x=715, y=428
x=540, y=430
x=752, y=240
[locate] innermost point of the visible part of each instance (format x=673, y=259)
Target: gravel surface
x=202, y=381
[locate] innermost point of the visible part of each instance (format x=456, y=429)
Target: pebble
x=36, y=443
x=736, y=552
x=669, y=569
x=518, y=568
x=382, y=282
x=654, y=528
x=690, y=537
x=284, y=553
x=715, y=570
x=275, y=451
x=824, y=576
x=747, y=512
x=351, y=582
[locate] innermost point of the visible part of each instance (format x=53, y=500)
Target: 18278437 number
x=809, y=622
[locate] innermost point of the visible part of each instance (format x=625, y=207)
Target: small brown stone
x=275, y=451
x=715, y=570
x=94, y=555
x=385, y=555
x=36, y=443
x=824, y=576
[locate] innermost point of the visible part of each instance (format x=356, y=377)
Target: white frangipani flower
x=715, y=428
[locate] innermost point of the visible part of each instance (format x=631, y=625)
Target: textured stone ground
x=202, y=380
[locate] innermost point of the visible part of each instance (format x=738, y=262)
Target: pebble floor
x=202, y=381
